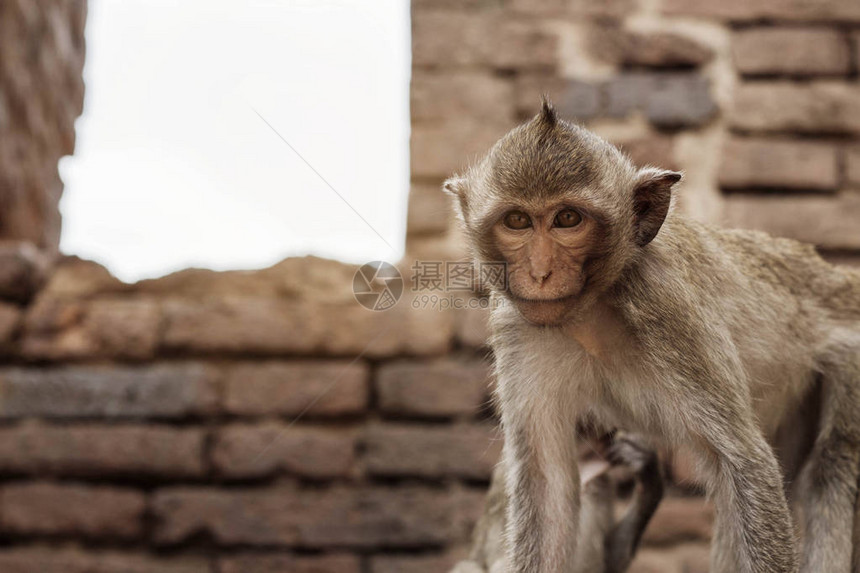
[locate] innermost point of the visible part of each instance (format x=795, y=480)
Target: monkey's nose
x=540, y=276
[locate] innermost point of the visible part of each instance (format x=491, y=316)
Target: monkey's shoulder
x=748, y=259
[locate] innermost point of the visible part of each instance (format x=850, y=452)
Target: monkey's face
x=565, y=210
x=546, y=250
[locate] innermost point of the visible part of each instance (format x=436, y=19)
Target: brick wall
x=263, y=421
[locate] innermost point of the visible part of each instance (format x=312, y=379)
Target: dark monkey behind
x=621, y=311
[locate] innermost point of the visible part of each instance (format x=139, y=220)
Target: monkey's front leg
x=542, y=484
x=754, y=532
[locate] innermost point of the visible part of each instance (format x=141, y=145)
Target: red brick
x=680, y=519
x=771, y=163
x=446, y=387
x=43, y=559
x=284, y=563
x=468, y=451
x=816, y=107
x=455, y=94
x=790, y=51
x=829, y=222
x=159, y=391
x=102, y=451
x=364, y=517
x=71, y=509
x=243, y=451
x=330, y=388
x=456, y=38
x=852, y=164
x=752, y=10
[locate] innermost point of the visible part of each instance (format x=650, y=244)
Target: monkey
x=604, y=546
x=615, y=306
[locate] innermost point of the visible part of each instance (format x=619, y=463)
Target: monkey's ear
x=455, y=186
x=652, y=196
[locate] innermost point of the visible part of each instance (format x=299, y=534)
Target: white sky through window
x=173, y=168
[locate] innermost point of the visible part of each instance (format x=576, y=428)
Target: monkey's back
x=792, y=268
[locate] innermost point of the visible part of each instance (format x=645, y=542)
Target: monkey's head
x=564, y=210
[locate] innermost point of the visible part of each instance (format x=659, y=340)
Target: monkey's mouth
x=544, y=311
x=521, y=299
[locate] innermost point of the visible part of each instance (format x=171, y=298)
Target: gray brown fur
x=702, y=337
x=605, y=546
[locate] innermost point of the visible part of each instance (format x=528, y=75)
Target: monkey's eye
x=517, y=220
x=567, y=218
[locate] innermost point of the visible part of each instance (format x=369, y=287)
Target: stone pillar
x=41, y=95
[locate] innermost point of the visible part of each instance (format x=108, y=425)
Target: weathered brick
x=22, y=270
x=283, y=563
x=160, y=391
x=242, y=451
x=573, y=99
x=654, y=150
x=668, y=99
x=771, y=163
x=790, y=51
x=441, y=149
x=852, y=164
x=456, y=38
x=468, y=451
x=753, y=10
x=430, y=210
x=59, y=329
x=71, y=509
x=353, y=330
x=680, y=558
x=455, y=94
x=363, y=517
x=76, y=278
x=127, y=328
x=587, y=8
x=91, y=450
x=10, y=319
x=413, y=563
x=330, y=388
x=431, y=389
x=330, y=323
x=617, y=45
x=680, y=519
x=829, y=222
x=817, y=107
x=649, y=560
x=239, y=324
x=44, y=559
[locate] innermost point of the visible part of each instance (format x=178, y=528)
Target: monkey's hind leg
x=829, y=480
